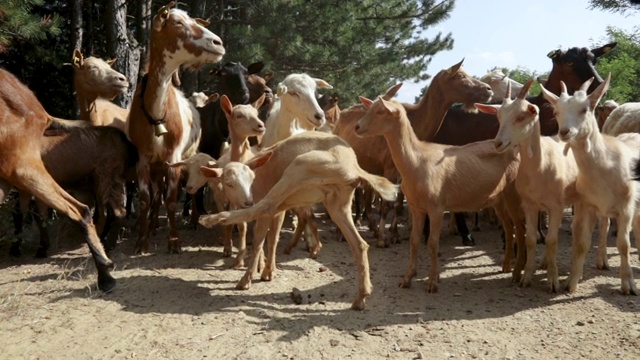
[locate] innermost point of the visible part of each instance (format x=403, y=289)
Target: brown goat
x=23, y=123
x=176, y=40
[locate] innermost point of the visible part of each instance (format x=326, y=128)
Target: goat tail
x=58, y=124
x=387, y=190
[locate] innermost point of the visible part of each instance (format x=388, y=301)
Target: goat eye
x=570, y=63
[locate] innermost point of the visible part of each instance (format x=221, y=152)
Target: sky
x=499, y=33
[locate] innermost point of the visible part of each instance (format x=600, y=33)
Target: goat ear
x=175, y=79
x=267, y=77
x=487, y=109
x=598, y=93
x=255, y=68
x=110, y=62
x=392, y=91
x=281, y=89
x=259, y=161
x=322, y=84
x=226, y=105
x=597, y=52
x=176, y=164
x=366, y=102
x=202, y=22
x=455, y=68
x=549, y=96
x=213, y=97
x=211, y=172
x=77, y=60
x=162, y=15
x=258, y=103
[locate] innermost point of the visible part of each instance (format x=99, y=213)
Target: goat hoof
x=15, y=250
x=382, y=244
x=468, y=240
x=358, y=304
x=41, y=252
x=174, y=247
x=106, y=283
x=243, y=285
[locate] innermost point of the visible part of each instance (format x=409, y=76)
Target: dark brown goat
x=573, y=66
x=23, y=122
x=95, y=158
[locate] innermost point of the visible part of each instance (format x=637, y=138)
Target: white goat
x=436, y=178
x=623, y=119
x=546, y=178
x=300, y=171
x=499, y=82
x=604, y=178
x=295, y=108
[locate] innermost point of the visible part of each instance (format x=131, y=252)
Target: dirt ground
x=186, y=306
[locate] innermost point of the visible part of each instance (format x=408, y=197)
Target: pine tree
x=18, y=22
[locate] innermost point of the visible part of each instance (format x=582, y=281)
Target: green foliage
x=614, y=6
x=522, y=75
x=18, y=22
x=623, y=62
x=360, y=47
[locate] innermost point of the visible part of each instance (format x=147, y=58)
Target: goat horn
x=166, y=7
x=586, y=84
x=525, y=89
x=507, y=95
x=563, y=88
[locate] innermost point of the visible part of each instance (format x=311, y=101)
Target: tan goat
x=448, y=86
x=546, y=177
x=305, y=169
x=436, y=178
x=96, y=84
x=605, y=181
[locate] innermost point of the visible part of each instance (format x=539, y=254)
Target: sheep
x=603, y=111
x=604, y=180
x=176, y=40
x=302, y=170
x=436, y=178
x=499, y=82
x=623, y=119
x=546, y=178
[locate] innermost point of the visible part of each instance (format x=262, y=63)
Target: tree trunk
x=122, y=46
x=77, y=33
x=143, y=24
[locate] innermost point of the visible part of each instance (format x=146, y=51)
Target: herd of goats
x=518, y=155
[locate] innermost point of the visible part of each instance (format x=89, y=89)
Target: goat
x=603, y=111
x=176, y=40
x=302, y=170
x=546, y=178
x=232, y=82
x=243, y=123
x=329, y=104
x=448, y=86
x=96, y=83
x=623, y=119
x=604, y=180
x=436, y=178
x=23, y=122
x=98, y=155
x=200, y=99
x=499, y=82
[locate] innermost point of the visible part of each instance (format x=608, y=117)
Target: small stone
x=296, y=296
x=580, y=323
x=322, y=269
x=334, y=342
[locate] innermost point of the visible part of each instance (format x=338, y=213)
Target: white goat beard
x=530, y=152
